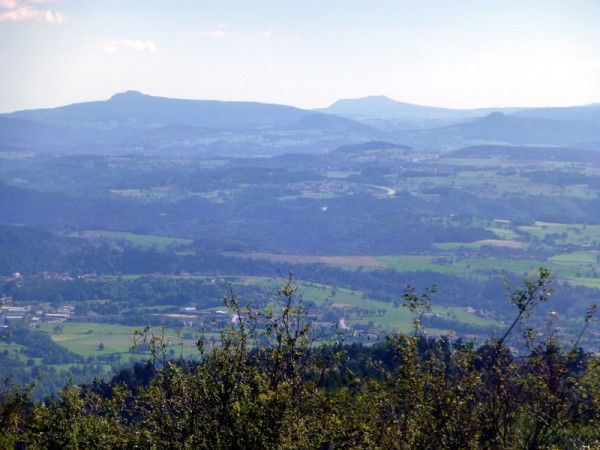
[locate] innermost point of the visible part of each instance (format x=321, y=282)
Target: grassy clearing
x=461, y=315
x=489, y=161
x=371, y=310
x=590, y=257
x=344, y=302
x=84, y=338
x=506, y=265
x=410, y=263
x=576, y=234
x=13, y=349
x=320, y=293
x=500, y=243
x=504, y=233
x=142, y=240
x=471, y=266
x=579, y=191
x=577, y=268
x=569, y=267
x=268, y=282
x=341, y=261
x=587, y=282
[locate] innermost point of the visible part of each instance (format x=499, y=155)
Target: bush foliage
x=275, y=381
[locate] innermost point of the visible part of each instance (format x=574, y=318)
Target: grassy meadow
x=84, y=338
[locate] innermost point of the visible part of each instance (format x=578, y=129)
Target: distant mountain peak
x=496, y=115
x=128, y=94
x=374, y=98
x=371, y=99
x=147, y=123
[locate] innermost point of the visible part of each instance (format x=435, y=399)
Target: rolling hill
x=135, y=123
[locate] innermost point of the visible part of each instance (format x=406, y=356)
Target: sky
x=305, y=53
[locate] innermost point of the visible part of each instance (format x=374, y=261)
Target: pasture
x=84, y=338
x=333, y=303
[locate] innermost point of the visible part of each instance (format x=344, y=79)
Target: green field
x=577, y=234
x=340, y=174
x=356, y=309
x=394, y=318
x=590, y=257
x=142, y=240
x=14, y=350
x=84, y=338
x=504, y=233
x=571, y=267
x=410, y=263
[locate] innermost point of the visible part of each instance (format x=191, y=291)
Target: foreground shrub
x=273, y=382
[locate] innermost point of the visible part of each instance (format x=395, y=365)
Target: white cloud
x=113, y=47
x=268, y=33
x=591, y=64
x=9, y=4
x=19, y=11
x=212, y=33
x=215, y=33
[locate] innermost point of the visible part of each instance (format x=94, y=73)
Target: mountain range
x=132, y=122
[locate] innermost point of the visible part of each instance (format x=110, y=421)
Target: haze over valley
x=138, y=185
x=299, y=225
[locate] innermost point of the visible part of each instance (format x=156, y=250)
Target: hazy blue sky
x=452, y=53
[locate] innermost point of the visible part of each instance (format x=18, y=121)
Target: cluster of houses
x=10, y=314
x=190, y=316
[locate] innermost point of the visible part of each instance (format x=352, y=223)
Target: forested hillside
x=129, y=241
